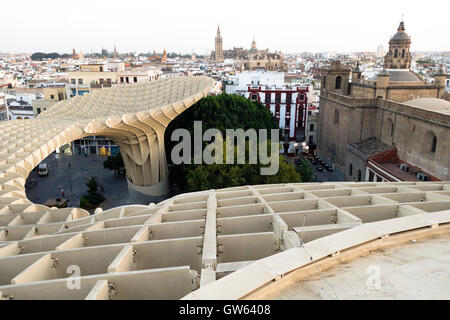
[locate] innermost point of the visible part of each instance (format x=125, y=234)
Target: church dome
x=401, y=34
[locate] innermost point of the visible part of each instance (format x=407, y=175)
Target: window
x=336, y=117
x=127, y=80
x=121, y=79
x=60, y=96
x=277, y=97
x=101, y=81
x=430, y=142
x=135, y=79
x=73, y=81
x=80, y=81
x=324, y=81
x=338, y=82
x=267, y=98
x=311, y=139
x=387, y=131
x=302, y=97
x=101, y=69
x=52, y=97
x=254, y=97
x=38, y=110
x=108, y=81
x=359, y=175
x=350, y=170
x=288, y=97
x=371, y=175
x=433, y=144
x=403, y=53
x=395, y=53
x=311, y=127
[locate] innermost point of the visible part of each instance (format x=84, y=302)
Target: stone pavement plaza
x=73, y=181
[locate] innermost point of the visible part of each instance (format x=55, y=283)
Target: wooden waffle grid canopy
x=215, y=244
x=134, y=116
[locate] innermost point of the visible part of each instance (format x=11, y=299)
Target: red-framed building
x=288, y=105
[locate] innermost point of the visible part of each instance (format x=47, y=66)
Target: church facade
x=396, y=113
x=251, y=59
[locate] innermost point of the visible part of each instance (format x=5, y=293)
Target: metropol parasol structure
x=287, y=241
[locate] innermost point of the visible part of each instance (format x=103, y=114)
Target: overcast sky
x=190, y=26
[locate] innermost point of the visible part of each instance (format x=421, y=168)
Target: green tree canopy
x=305, y=170
x=38, y=56
x=224, y=112
x=92, y=185
x=114, y=162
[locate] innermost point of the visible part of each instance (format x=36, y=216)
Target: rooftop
x=371, y=146
x=390, y=162
x=394, y=168
x=400, y=75
x=401, y=273
x=431, y=104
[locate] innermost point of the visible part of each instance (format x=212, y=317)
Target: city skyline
x=188, y=27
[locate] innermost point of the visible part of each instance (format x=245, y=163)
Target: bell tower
x=398, y=56
x=335, y=78
x=219, y=49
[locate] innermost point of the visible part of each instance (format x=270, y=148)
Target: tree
x=105, y=53
x=38, y=56
x=92, y=199
x=305, y=170
x=224, y=112
x=92, y=185
x=114, y=163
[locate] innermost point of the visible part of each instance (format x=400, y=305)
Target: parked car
x=329, y=168
x=42, y=169
x=319, y=169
